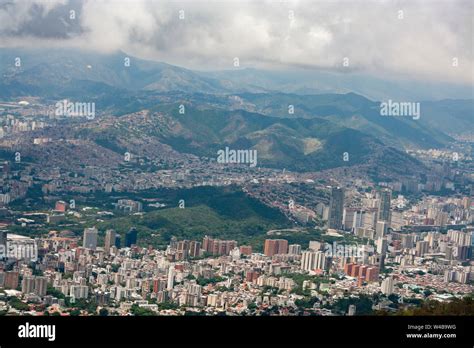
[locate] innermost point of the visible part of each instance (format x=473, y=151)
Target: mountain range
x=243, y=108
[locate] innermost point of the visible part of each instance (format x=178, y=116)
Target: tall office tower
x=90, y=238
x=3, y=245
x=351, y=219
x=382, y=245
x=28, y=284
x=170, y=283
x=384, y=205
x=3, y=238
x=314, y=260
x=381, y=229
x=118, y=241
x=275, y=246
x=41, y=286
x=336, y=208
x=109, y=240
x=294, y=249
x=387, y=286
x=131, y=237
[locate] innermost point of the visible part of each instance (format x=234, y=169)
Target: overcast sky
x=402, y=39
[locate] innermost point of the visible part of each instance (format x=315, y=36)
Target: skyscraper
x=381, y=229
x=384, y=205
x=336, y=208
x=131, y=237
x=90, y=238
x=3, y=244
x=382, y=245
x=109, y=240
x=118, y=241
x=170, y=283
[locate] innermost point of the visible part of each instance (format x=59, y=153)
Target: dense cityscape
x=280, y=171
x=351, y=247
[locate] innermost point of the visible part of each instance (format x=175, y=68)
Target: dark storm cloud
x=402, y=38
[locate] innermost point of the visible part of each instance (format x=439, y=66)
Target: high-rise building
x=315, y=245
x=109, y=240
x=131, y=237
x=246, y=249
x=336, y=208
x=11, y=279
x=28, y=284
x=90, y=238
x=387, y=286
x=352, y=218
x=194, y=248
x=407, y=241
x=382, y=245
x=170, y=282
x=217, y=246
x=422, y=248
x=118, y=241
x=314, y=260
x=348, y=268
x=384, y=205
x=294, y=249
x=159, y=284
x=182, y=250
x=41, y=286
x=355, y=270
x=460, y=237
x=381, y=229
x=174, y=243
x=3, y=244
x=275, y=246
x=79, y=291
x=372, y=274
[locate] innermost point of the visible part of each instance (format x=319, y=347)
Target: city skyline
x=307, y=160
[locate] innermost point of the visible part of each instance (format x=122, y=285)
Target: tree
x=103, y=312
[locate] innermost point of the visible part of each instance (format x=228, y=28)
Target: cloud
x=416, y=39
